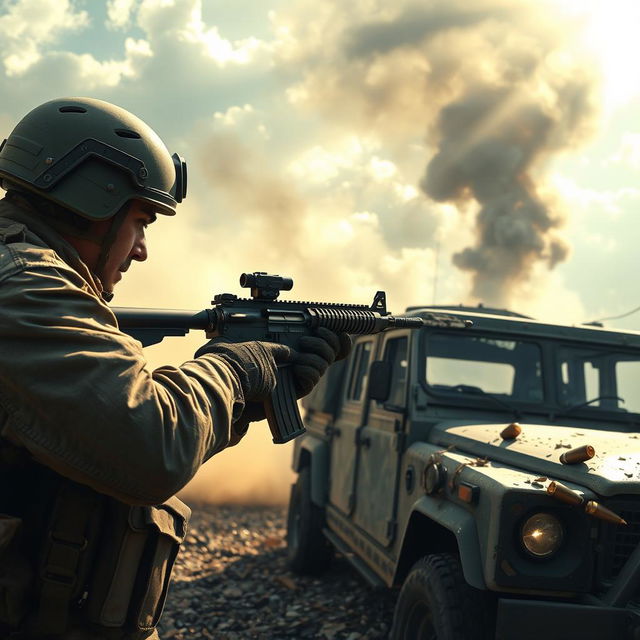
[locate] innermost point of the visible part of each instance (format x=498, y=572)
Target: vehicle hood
x=614, y=469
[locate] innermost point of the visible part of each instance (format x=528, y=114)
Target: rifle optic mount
x=265, y=286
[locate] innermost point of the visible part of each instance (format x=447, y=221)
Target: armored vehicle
x=490, y=472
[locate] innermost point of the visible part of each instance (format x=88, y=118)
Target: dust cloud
x=253, y=472
x=246, y=184
x=332, y=244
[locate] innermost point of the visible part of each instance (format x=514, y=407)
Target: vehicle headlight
x=542, y=535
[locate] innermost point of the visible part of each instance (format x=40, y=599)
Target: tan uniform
x=76, y=392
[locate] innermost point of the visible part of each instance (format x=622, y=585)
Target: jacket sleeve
x=77, y=393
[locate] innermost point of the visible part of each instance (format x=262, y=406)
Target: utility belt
x=102, y=565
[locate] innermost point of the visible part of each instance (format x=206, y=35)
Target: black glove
x=256, y=367
x=254, y=363
x=315, y=354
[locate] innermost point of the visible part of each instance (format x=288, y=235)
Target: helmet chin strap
x=55, y=214
x=105, y=249
x=104, y=241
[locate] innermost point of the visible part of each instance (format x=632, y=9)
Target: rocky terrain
x=231, y=582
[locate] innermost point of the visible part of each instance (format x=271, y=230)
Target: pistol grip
x=281, y=409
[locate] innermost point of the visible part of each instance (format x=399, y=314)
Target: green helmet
x=92, y=157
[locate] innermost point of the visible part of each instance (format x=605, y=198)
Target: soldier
x=93, y=444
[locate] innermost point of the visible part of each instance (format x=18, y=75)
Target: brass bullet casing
x=511, y=432
x=596, y=510
x=564, y=494
x=577, y=455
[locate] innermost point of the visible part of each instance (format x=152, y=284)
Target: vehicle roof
x=478, y=309
x=500, y=321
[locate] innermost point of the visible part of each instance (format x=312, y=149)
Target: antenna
x=624, y=315
x=435, y=271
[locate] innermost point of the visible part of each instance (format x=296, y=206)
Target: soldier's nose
x=140, y=251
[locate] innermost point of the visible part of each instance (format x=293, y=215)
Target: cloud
x=604, y=228
x=339, y=217
x=483, y=91
x=120, y=13
x=593, y=203
x=628, y=153
x=182, y=21
x=492, y=88
x=28, y=25
x=81, y=74
x=560, y=304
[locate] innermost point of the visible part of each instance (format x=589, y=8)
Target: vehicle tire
x=436, y=603
x=308, y=551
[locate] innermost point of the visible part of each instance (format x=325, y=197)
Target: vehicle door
x=381, y=443
x=343, y=431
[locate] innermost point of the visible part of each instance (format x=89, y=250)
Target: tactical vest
x=74, y=562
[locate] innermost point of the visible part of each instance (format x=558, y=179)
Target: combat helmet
x=91, y=158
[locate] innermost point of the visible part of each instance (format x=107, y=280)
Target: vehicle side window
x=395, y=353
x=580, y=380
x=360, y=371
x=598, y=378
x=628, y=377
x=476, y=364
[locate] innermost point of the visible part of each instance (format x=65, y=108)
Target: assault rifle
x=263, y=317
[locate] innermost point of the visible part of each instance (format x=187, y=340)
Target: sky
x=446, y=152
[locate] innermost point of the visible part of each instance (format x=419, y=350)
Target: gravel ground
x=231, y=582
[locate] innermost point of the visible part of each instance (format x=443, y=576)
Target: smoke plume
x=487, y=147
x=493, y=87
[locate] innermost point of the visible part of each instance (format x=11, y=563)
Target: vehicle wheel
x=436, y=603
x=309, y=551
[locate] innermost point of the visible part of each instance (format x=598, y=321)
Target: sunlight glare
x=610, y=32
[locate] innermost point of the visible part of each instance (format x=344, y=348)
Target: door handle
x=362, y=441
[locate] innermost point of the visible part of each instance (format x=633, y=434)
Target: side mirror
x=379, y=381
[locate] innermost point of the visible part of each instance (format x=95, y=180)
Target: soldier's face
x=130, y=244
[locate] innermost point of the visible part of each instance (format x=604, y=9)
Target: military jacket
x=76, y=392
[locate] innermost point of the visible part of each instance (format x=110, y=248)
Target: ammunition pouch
x=131, y=574
x=100, y=565
x=70, y=542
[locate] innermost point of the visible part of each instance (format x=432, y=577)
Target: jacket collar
x=39, y=233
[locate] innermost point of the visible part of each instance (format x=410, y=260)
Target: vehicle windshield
x=507, y=369
x=590, y=378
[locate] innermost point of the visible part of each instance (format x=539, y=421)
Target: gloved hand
x=256, y=367
x=254, y=363
x=315, y=354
